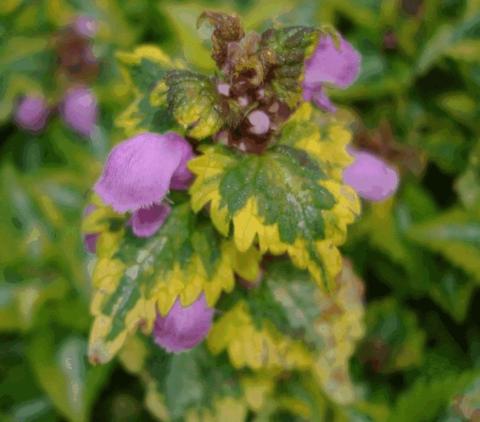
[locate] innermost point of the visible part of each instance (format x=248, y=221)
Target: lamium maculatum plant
x=220, y=217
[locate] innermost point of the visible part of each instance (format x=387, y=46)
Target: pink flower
x=139, y=171
x=371, y=177
x=79, y=110
x=260, y=122
x=86, y=26
x=184, y=327
x=329, y=65
x=32, y=113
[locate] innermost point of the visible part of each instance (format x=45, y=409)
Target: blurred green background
x=416, y=104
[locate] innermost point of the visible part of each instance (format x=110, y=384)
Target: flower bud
x=183, y=327
x=32, y=113
x=371, y=177
x=140, y=171
x=260, y=122
x=86, y=26
x=329, y=64
x=79, y=110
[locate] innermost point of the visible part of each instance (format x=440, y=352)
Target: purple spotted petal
x=182, y=177
x=371, y=177
x=138, y=171
x=329, y=64
x=79, y=110
x=183, y=328
x=146, y=221
x=32, y=113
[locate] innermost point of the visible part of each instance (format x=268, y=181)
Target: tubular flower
x=139, y=171
x=183, y=327
x=329, y=64
x=32, y=113
x=371, y=177
x=79, y=110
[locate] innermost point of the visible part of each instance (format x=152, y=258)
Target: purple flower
x=371, y=177
x=184, y=327
x=86, y=26
x=90, y=239
x=140, y=171
x=32, y=113
x=329, y=65
x=260, y=122
x=146, y=221
x=79, y=110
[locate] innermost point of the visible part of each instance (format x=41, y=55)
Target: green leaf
x=437, y=392
x=144, y=69
x=63, y=372
x=135, y=277
x=194, y=102
x=290, y=197
x=180, y=386
x=447, y=41
x=394, y=340
x=286, y=50
x=468, y=184
x=455, y=234
x=330, y=324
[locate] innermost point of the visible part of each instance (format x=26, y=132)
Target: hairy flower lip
x=140, y=170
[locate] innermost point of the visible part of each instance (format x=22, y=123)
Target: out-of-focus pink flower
x=146, y=221
x=79, y=110
x=329, y=64
x=139, y=171
x=86, y=26
x=371, y=177
x=183, y=327
x=32, y=113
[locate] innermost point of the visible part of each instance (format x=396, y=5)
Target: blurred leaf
x=427, y=398
x=450, y=39
x=62, y=370
x=394, y=340
x=456, y=235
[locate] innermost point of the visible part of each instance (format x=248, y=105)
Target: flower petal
x=371, y=177
x=146, y=221
x=79, y=110
x=329, y=64
x=32, y=113
x=138, y=171
x=183, y=328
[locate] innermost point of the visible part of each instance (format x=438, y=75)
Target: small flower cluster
x=78, y=108
x=140, y=171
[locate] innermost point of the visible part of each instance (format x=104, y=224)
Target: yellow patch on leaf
x=252, y=347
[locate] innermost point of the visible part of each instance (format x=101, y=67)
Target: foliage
x=374, y=324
